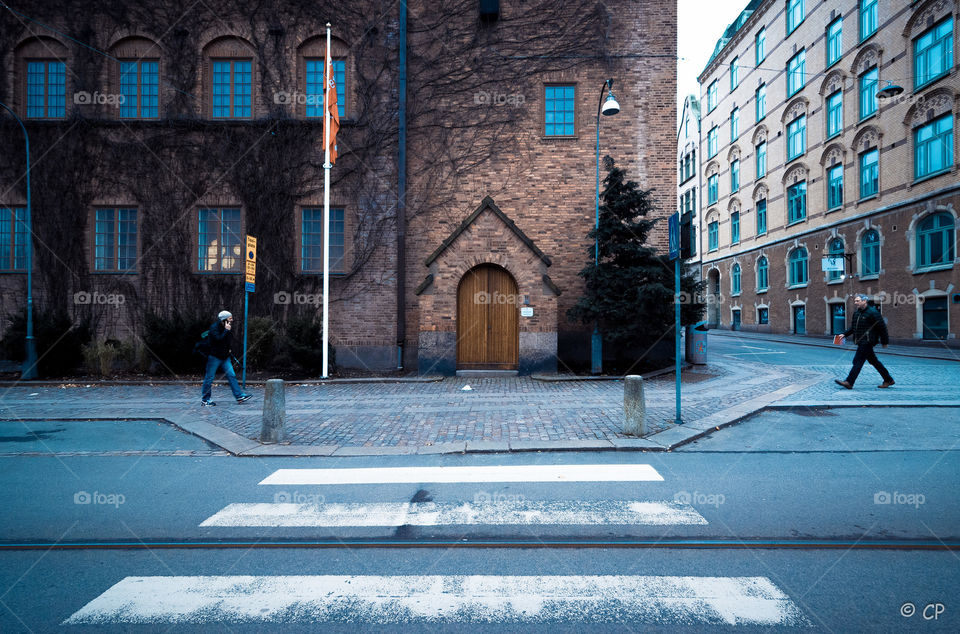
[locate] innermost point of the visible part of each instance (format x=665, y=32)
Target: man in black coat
x=221, y=338
x=867, y=328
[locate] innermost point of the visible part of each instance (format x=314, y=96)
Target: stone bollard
x=274, y=412
x=634, y=406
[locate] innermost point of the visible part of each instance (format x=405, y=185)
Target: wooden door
x=488, y=310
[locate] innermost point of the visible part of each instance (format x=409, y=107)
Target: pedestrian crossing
x=398, y=599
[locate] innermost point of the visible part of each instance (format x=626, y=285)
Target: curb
x=258, y=382
x=944, y=354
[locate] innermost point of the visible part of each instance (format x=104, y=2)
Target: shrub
x=103, y=358
x=169, y=342
x=59, y=341
x=261, y=342
x=304, y=340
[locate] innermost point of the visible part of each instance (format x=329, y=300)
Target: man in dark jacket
x=221, y=338
x=867, y=328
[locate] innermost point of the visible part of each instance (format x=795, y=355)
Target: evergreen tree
x=630, y=294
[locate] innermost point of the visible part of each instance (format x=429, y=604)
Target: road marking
x=750, y=354
x=475, y=598
x=504, y=473
x=442, y=514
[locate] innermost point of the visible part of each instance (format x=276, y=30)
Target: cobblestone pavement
x=421, y=414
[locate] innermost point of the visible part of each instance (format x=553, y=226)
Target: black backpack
x=202, y=348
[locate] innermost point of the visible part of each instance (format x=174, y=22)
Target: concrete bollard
x=634, y=406
x=274, y=412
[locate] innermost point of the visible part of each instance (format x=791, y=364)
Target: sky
x=700, y=23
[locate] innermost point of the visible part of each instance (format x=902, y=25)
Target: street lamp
x=606, y=107
x=29, y=370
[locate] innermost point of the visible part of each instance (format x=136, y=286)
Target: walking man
x=867, y=328
x=221, y=338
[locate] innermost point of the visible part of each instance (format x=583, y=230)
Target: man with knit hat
x=221, y=338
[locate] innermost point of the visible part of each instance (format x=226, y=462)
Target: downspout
x=402, y=188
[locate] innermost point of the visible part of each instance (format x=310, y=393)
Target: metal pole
x=596, y=341
x=676, y=334
x=29, y=369
x=246, y=303
x=326, y=206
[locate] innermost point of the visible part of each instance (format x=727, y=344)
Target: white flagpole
x=326, y=206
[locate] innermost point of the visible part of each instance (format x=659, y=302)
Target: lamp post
x=606, y=107
x=29, y=370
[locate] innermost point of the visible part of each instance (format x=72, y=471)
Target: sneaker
x=244, y=398
x=843, y=384
x=886, y=384
x=207, y=404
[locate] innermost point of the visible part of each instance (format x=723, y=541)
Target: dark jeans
x=865, y=353
x=213, y=365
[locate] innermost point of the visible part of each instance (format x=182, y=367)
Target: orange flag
x=330, y=100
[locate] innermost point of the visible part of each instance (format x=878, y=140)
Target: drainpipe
x=402, y=188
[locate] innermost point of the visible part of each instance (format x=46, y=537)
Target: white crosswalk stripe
x=438, y=598
x=465, y=513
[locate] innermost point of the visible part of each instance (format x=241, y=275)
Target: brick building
x=160, y=146
x=688, y=176
x=811, y=161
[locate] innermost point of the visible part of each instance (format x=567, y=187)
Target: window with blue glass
x=797, y=202
x=311, y=240
x=735, y=175
x=734, y=124
x=761, y=216
x=760, y=42
x=798, y=267
x=735, y=227
x=712, y=96
x=761, y=96
x=796, y=69
x=13, y=238
x=868, y=92
x=140, y=87
x=713, y=236
x=794, y=14
x=115, y=239
x=735, y=279
x=835, y=187
x=315, y=92
x=869, y=173
x=796, y=137
x=46, y=90
x=220, y=240
x=836, y=251
x=734, y=73
x=712, y=142
x=763, y=269
x=713, y=189
x=933, y=147
x=935, y=240
x=834, y=41
x=761, y=159
x=559, y=111
x=834, y=114
x=232, y=89
x=868, y=18
x=870, y=253
x=933, y=53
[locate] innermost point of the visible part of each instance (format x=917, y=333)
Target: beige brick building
x=808, y=154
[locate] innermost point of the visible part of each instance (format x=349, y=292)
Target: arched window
x=836, y=251
x=42, y=71
x=229, y=79
x=935, y=240
x=798, y=267
x=763, y=279
x=735, y=280
x=870, y=253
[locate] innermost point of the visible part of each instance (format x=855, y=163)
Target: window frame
x=760, y=94
x=139, y=89
x=934, y=141
x=735, y=279
x=760, y=44
x=868, y=92
x=337, y=266
x=573, y=102
x=834, y=188
x=712, y=96
x=735, y=175
x=874, y=168
x=865, y=262
x=760, y=149
x=16, y=241
x=796, y=72
x=713, y=189
x=233, y=93
x=713, y=145
x=836, y=276
x=798, y=265
x=797, y=138
x=734, y=73
x=795, y=15
x=221, y=255
x=762, y=217
x=115, y=237
x=735, y=227
x=948, y=241
x=47, y=92
x=919, y=79
x=834, y=41
x=796, y=213
x=834, y=110
x=734, y=124
x=713, y=235
x=868, y=18
x=314, y=107
x=763, y=274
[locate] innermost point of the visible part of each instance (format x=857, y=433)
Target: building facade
x=459, y=215
x=830, y=167
x=688, y=176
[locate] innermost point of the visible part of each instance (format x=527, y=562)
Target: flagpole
x=326, y=205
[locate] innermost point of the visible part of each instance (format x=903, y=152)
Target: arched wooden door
x=488, y=320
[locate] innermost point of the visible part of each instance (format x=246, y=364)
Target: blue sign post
x=674, y=227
